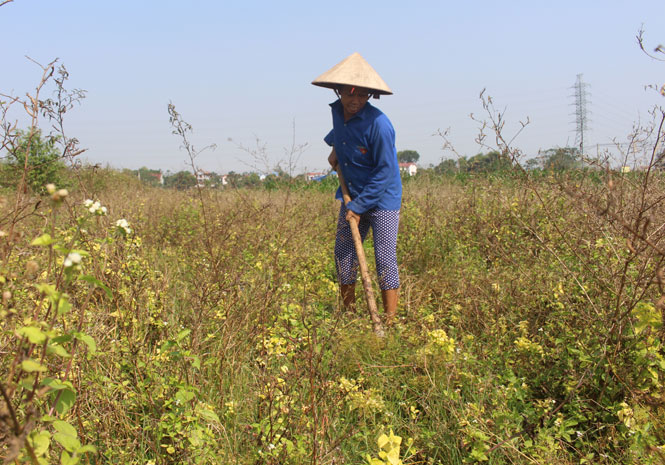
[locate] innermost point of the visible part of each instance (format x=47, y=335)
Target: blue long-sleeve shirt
x=365, y=147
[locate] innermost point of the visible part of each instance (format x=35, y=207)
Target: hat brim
x=336, y=85
x=353, y=71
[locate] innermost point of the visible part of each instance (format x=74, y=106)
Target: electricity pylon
x=581, y=111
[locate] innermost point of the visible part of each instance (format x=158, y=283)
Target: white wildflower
x=95, y=207
x=72, y=259
x=56, y=195
x=123, y=226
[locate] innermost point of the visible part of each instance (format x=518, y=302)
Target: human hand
x=351, y=215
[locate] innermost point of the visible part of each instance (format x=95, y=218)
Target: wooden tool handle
x=362, y=261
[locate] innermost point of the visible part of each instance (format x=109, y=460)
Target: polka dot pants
x=384, y=224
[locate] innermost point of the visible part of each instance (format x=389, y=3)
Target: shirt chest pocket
x=361, y=155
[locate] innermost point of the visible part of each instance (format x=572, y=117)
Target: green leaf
x=70, y=443
x=63, y=305
x=184, y=396
x=87, y=340
x=393, y=456
x=66, y=459
x=166, y=346
x=65, y=401
x=96, y=282
x=47, y=289
x=63, y=338
x=30, y=365
x=210, y=416
x=27, y=383
x=43, y=240
x=478, y=452
x=64, y=428
x=382, y=441
x=58, y=350
x=646, y=315
x=40, y=442
x=87, y=448
x=82, y=253
x=34, y=335
x=56, y=384
x=194, y=437
x=183, y=334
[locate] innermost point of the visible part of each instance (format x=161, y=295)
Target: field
x=208, y=328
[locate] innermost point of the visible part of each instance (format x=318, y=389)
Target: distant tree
x=243, y=180
x=446, y=167
x=463, y=164
x=408, y=156
x=232, y=178
x=561, y=159
x=487, y=163
x=480, y=163
x=533, y=163
x=44, y=164
x=251, y=180
x=215, y=180
x=180, y=180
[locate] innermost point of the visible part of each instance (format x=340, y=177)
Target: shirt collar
x=337, y=106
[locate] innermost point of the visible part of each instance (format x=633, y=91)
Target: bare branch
x=640, y=42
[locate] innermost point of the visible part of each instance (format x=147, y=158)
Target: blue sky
x=241, y=70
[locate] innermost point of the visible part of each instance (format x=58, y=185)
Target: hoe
x=362, y=261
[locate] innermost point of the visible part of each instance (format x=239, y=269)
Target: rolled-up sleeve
x=330, y=138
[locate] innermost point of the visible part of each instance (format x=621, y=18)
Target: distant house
x=409, y=168
x=149, y=176
x=158, y=176
x=315, y=176
x=202, y=176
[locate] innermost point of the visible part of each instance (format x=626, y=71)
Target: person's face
x=353, y=99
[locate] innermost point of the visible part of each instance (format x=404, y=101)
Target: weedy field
x=152, y=326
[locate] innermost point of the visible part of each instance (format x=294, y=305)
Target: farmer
x=363, y=148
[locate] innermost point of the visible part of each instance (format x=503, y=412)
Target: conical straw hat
x=353, y=71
